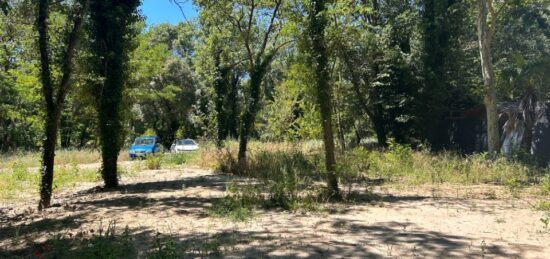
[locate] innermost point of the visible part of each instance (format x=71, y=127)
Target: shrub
x=177, y=159
x=153, y=162
x=543, y=206
x=544, y=185
x=238, y=204
x=282, y=179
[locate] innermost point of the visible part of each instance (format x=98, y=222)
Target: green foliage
x=179, y=158
x=543, y=205
x=165, y=247
x=163, y=83
x=403, y=165
x=398, y=69
x=154, y=161
x=283, y=179
x=521, y=48
x=545, y=185
x=24, y=180
x=21, y=121
x=238, y=205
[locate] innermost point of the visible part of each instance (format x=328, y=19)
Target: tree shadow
x=296, y=239
x=216, y=182
x=27, y=232
x=380, y=240
x=399, y=202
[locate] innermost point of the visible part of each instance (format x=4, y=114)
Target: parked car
x=184, y=145
x=144, y=146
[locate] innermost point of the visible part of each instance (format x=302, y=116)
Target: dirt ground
x=442, y=222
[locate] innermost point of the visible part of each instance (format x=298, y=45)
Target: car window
x=144, y=142
x=186, y=142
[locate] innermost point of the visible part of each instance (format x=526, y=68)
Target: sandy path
x=404, y=224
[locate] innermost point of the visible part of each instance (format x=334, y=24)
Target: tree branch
x=69, y=54
x=269, y=28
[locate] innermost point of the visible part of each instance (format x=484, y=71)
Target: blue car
x=144, y=146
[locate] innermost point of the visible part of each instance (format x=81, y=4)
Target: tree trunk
x=380, y=130
x=232, y=118
x=50, y=127
x=53, y=106
x=109, y=156
x=377, y=120
x=341, y=136
x=338, y=104
x=48, y=159
x=324, y=95
x=485, y=35
x=252, y=104
x=250, y=114
x=83, y=136
x=219, y=87
x=111, y=29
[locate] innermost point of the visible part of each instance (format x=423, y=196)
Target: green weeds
x=292, y=178
x=153, y=162
x=402, y=164
x=19, y=180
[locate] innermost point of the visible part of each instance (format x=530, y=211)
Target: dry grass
x=62, y=157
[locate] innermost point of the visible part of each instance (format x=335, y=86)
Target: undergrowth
x=168, y=246
x=106, y=242
x=292, y=178
x=287, y=180
x=402, y=164
x=62, y=157
x=21, y=180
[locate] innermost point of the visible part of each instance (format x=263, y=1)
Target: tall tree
x=112, y=29
x=258, y=25
x=54, y=98
x=486, y=26
x=319, y=61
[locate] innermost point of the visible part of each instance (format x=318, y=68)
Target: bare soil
x=402, y=222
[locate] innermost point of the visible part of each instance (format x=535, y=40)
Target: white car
x=184, y=145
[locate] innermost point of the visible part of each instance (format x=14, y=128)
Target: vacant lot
x=166, y=214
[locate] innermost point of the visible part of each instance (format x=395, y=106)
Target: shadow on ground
x=22, y=237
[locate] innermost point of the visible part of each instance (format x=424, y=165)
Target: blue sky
x=164, y=11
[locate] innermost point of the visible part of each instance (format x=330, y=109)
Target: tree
x=4, y=6
x=163, y=83
x=226, y=81
x=441, y=24
x=486, y=31
x=53, y=99
x=112, y=29
x=258, y=24
x=222, y=70
x=319, y=61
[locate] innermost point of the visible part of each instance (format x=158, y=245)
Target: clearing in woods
x=168, y=211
